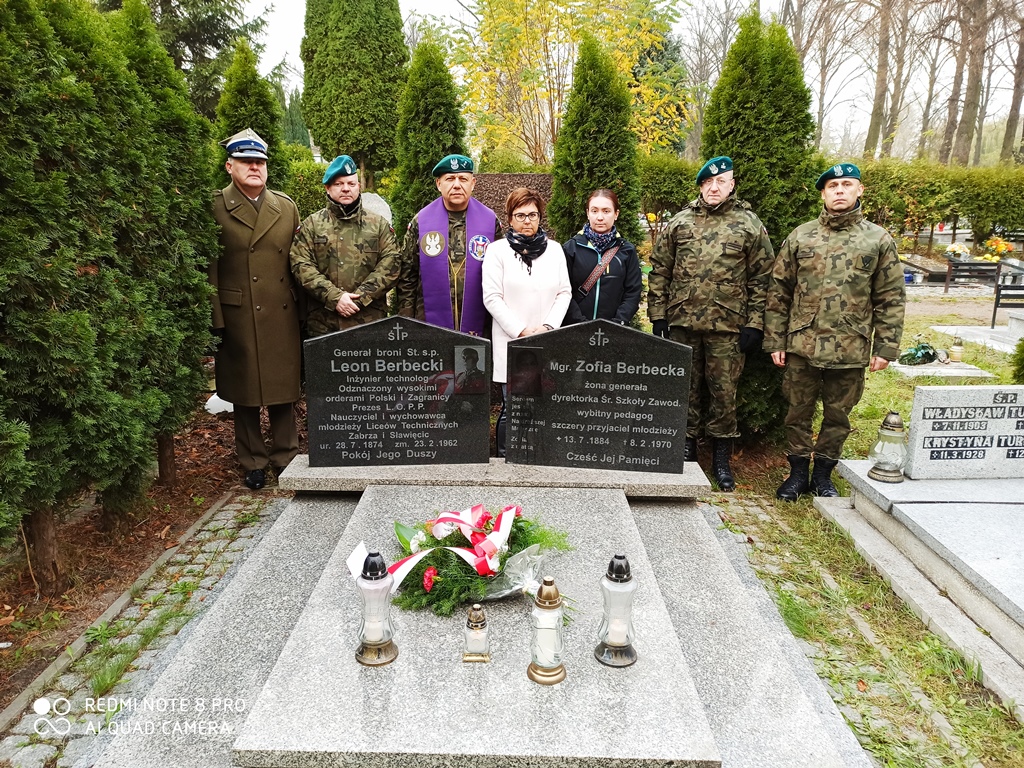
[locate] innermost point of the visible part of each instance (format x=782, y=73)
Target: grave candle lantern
x=889, y=453
x=478, y=644
x=548, y=636
x=616, y=633
x=376, y=633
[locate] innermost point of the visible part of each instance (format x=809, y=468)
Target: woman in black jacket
x=604, y=270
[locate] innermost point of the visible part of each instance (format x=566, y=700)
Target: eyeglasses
x=521, y=217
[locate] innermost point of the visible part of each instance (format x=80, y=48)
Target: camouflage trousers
x=840, y=390
x=717, y=365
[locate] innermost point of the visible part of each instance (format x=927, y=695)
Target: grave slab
x=688, y=484
x=1000, y=338
x=1000, y=672
x=759, y=711
x=963, y=490
x=967, y=432
x=232, y=650
x=982, y=541
x=320, y=707
x=942, y=371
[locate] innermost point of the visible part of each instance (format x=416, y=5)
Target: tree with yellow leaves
x=517, y=62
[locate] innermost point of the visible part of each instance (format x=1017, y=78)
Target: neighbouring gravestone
x=966, y=432
x=397, y=391
x=598, y=395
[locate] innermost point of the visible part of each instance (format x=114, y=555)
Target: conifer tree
x=295, y=130
x=249, y=101
x=595, y=146
x=354, y=55
x=82, y=203
x=759, y=115
x=185, y=240
x=430, y=126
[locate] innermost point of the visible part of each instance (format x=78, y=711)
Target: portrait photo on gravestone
x=397, y=391
x=598, y=395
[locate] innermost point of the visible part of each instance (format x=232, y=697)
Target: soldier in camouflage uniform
x=835, y=306
x=710, y=271
x=344, y=256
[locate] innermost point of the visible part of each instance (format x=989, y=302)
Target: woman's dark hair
x=521, y=196
x=605, y=193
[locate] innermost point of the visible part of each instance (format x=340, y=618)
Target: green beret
x=714, y=167
x=453, y=164
x=840, y=171
x=342, y=165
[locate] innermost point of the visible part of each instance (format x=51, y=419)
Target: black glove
x=661, y=328
x=751, y=340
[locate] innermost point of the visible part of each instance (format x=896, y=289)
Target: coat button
x=252, y=250
x=255, y=279
x=258, y=307
x=284, y=306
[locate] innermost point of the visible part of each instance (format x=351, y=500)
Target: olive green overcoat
x=256, y=303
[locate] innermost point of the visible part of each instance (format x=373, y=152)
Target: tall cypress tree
x=295, y=130
x=249, y=101
x=430, y=126
x=354, y=55
x=185, y=239
x=595, y=146
x=759, y=115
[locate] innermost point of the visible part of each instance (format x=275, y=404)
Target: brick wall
x=492, y=189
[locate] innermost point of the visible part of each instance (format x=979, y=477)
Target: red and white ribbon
x=482, y=557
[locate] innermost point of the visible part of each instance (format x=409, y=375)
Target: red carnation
x=428, y=578
x=485, y=518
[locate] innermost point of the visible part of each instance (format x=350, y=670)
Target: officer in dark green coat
x=835, y=306
x=255, y=308
x=707, y=286
x=345, y=257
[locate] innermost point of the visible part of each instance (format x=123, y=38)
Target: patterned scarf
x=527, y=248
x=601, y=242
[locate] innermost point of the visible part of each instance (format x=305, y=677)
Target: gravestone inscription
x=397, y=391
x=966, y=432
x=598, y=395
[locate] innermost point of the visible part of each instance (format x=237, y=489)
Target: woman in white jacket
x=525, y=283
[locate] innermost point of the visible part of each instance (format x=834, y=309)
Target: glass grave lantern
x=478, y=644
x=376, y=633
x=889, y=453
x=616, y=633
x=547, y=647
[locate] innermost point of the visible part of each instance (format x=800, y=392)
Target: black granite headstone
x=397, y=391
x=598, y=395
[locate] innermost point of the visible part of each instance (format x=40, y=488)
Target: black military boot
x=797, y=482
x=821, y=478
x=720, y=463
x=690, y=451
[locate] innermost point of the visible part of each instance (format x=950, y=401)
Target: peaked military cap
x=342, y=165
x=246, y=143
x=838, y=171
x=453, y=164
x=714, y=167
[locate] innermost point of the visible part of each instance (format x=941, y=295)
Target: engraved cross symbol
x=598, y=339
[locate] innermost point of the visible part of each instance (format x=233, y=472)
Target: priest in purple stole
x=442, y=258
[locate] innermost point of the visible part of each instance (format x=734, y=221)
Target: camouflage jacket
x=836, y=294
x=335, y=253
x=710, y=268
